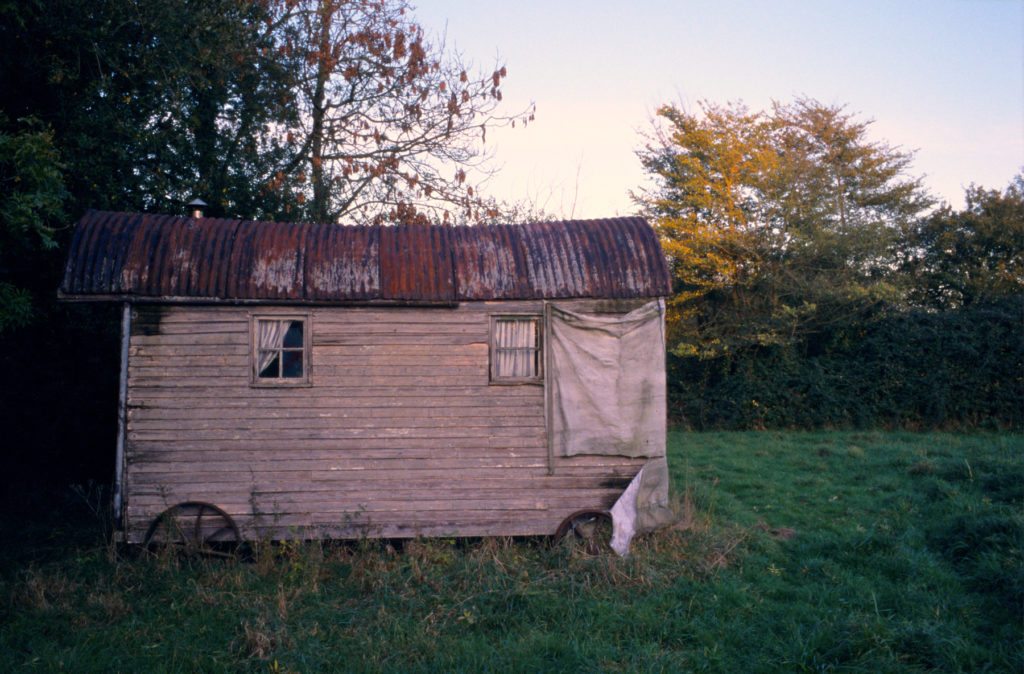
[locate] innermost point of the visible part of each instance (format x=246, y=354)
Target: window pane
x=293, y=338
x=270, y=333
x=292, y=364
x=517, y=334
x=527, y=362
x=271, y=368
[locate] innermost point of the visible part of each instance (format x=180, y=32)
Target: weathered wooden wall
x=400, y=433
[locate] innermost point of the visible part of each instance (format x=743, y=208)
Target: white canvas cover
x=643, y=506
x=606, y=374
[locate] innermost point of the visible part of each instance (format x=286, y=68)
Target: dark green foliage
x=256, y=107
x=912, y=369
x=31, y=204
x=32, y=197
x=950, y=354
x=128, y=106
x=59, y=408
x=971, y=257
x=151, y=103
x=59, y=363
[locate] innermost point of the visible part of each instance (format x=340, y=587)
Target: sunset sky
x=942, y=77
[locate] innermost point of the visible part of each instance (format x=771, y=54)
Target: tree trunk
x=321, y=191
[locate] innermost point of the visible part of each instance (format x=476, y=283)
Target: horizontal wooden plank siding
x=398, y=433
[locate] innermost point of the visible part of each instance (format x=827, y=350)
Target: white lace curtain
x=271, y=339
x=516, y=348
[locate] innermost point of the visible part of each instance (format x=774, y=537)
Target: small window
x=280, y=351
x=516, y=350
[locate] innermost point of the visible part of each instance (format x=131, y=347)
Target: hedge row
x=911, y=369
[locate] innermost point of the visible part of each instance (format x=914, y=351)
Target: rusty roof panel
x=552, y=263
x=343, y=262
x=490, y=263
x=618, y=257
x=131, y=255
x=416, y=263
x=276, y=262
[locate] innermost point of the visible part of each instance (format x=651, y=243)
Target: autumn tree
x=389, y=123
x=776, y=223
x=709, y=183
x=842, y=200
x=274, y=109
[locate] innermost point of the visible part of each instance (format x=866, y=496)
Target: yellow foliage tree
x=773, y=222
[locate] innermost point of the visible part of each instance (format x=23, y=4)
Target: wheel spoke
x=212, y=538
x=199, y=523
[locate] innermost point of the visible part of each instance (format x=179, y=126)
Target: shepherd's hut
x=289, y=380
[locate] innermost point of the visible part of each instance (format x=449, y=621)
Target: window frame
x=255, y=380
x=493, y=350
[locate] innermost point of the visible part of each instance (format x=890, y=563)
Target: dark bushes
x=910, y=369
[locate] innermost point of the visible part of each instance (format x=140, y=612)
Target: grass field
x=820, y=551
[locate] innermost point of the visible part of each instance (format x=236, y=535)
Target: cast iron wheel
x=193, y=528
x=590, y=529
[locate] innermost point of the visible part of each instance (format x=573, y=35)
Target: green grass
x=804, y=552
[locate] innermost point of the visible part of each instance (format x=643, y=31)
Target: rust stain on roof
x=139, y=256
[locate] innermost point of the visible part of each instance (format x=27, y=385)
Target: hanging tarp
x=606, y=374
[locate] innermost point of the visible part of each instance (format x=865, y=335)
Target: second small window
x=516, y=349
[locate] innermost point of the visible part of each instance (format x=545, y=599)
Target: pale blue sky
x=943, y=77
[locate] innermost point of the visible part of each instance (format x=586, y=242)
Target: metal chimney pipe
x=196, y=207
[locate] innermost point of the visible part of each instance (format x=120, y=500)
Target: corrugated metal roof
x=140, y=256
